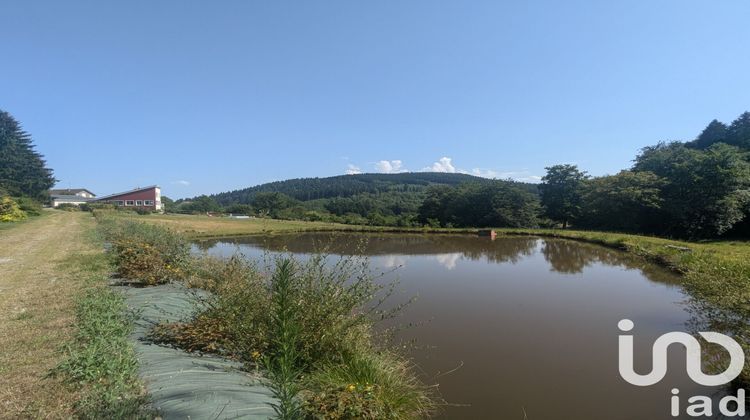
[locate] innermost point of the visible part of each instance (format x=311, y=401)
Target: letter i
x=675, y=402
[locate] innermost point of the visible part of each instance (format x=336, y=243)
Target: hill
x=307, y=189
x=379, y=199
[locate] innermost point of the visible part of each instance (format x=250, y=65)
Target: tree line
x=694, y=189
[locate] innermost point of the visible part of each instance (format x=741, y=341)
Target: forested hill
x=307, y=189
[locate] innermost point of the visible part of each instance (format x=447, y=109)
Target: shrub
x=68, y=207
x=30, y=206
x=9, y=210
x=144, y=253
x=234, y=319
x=97, y=206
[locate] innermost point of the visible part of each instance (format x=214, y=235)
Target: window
x=119, y=202
x=139, y=203
x=148, y=202
x=129, y=202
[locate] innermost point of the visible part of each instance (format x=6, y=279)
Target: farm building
x=75, y=196
x=147, y=198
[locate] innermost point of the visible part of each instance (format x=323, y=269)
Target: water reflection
x=562, y=255
x=532, y=322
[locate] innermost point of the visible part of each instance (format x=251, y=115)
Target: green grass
x=10, y=225
x=198, y=226
x=100, y=360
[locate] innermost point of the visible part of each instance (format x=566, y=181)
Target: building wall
x=137, y=199
x=56, y=203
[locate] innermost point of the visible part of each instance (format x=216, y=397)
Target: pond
x=519, y=327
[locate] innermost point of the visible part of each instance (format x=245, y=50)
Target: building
x=147, y=198
x=75, y=196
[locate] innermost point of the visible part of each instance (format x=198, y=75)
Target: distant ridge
x=306, y=189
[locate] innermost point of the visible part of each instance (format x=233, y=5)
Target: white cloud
x=448, y=260
x=445, y=164
x=353, y=169
x=389, y=166
x=442, y=165
x=485, y=173
x=182, y=182
x=394, y=261
x=521, y=176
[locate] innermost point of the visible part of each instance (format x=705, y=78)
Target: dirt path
x=36, y=310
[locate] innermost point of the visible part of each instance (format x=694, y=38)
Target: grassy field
x=199, y=226
x=62, y=330
x=37, y=310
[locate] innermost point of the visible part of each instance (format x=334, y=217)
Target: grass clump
x=100, y=362
x=146, y=254
x=366, y=386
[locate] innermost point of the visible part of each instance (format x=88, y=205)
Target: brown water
x=520, y=327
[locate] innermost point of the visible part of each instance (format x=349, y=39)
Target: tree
x=705, y=192
x=715, y=132
x=271, y=203
x=626, y=201
x=495, y=204
x=200, y=204
x=168, y=203
x=561, y=193
x=738, y=133
x=22, y=169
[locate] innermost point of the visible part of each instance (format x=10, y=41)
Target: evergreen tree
x=715, y=132
x=22, y=169
x=738, y=133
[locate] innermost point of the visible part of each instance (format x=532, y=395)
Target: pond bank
x=188, y=385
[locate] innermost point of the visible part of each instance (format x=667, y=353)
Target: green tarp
x=183, y=385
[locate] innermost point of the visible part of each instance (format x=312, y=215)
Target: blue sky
x=203, y=97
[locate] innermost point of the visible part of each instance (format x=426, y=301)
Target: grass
x=100, y=361
x=63, y=328
x=199, y=226
x=37, y=308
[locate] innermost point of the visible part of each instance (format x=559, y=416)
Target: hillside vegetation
x=694, y=189
x=363, y=199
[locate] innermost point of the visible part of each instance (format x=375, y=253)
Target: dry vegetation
x=37, y=289
x=199, y=226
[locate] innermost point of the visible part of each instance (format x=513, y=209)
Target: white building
x=75, y=196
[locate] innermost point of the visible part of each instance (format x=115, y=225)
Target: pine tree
x=23, y=171
x=738, y=133
x=715, y=132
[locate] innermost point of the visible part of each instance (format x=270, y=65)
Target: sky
x=202, y=97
